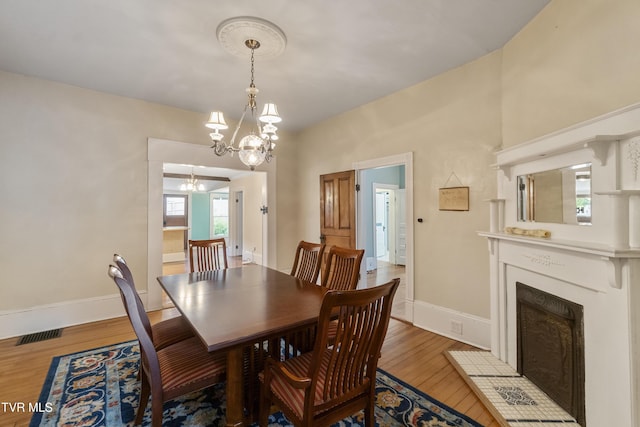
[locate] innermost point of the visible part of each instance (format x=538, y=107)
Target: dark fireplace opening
x=550, y=335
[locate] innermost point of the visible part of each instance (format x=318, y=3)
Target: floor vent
x=39, y=336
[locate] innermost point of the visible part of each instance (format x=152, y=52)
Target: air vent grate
x=39, y=336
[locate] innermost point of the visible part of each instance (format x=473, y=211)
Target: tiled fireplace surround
x=596, y=266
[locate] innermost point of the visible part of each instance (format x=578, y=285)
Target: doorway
x=385, y=222
x=165, y=151
x=385, y=225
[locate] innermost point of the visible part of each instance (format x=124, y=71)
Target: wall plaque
x=453, y=199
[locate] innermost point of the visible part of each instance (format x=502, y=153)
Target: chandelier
x=256, y=147
x=192, y=184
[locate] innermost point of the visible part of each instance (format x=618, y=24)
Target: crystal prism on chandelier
x=257, y=147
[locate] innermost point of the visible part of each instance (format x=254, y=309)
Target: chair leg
x=265, y=406
x=144, y=399
x=369, y=415
x=156, y=412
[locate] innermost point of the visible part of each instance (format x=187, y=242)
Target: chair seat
x=294, y=397
x=187, y=365
x=170, y=331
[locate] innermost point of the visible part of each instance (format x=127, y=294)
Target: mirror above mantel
x=559, y=196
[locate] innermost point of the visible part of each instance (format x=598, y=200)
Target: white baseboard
x=251, y=257
x=68, y=313
x=174, y=257
x=473, y=330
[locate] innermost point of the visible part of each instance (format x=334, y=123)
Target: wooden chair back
x=164, y=332
x=340, y=378
x=306, y=265
x=127, y=276
x=207, y=255
x=342, y=268
x=139, y=321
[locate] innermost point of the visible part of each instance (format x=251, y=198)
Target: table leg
x=235, y=413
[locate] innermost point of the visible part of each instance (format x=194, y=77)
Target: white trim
x=60, y=315
x=405, y=159
x=174, y=257
x=476, y=331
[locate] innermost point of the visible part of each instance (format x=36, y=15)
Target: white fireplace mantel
x=596, y=266
x=615, y=260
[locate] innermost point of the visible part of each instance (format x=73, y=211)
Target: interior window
x=175, y=210
x=220, y=214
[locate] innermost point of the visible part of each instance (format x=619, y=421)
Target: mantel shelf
x=568, y=245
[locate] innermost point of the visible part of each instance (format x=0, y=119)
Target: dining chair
x=342, y=268
x=175, y=370
x=165, y=332
x=207, y=255
x=341, y=272
x=306, y=265
x=330, y=383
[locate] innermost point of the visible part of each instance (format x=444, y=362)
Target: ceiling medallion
x=234, y=32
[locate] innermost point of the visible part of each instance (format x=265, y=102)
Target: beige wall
x=576, y=60
x=73, y=162
x=452, y=125
x=73, y=180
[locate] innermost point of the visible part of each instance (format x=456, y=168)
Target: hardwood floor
x=409, y=353
x=384, y=272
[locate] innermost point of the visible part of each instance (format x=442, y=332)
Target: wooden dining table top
x=236, y=306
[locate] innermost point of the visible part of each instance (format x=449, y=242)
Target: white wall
x=254, y=190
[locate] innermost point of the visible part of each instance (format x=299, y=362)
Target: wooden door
x=338, y=209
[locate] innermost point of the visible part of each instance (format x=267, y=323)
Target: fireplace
x=581, y=285
x=550, y=342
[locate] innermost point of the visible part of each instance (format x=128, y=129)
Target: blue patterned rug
x=98, y=387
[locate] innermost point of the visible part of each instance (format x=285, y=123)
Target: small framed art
x=453, y=199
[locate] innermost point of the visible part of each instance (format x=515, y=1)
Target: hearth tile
x=482, y=363
x=518, y=400
x=543, y=424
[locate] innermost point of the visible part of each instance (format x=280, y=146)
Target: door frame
x=405, y=159
x=162, y=151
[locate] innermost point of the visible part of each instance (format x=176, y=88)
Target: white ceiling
x=339, y=54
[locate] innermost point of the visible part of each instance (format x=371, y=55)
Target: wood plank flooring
x=409, y=353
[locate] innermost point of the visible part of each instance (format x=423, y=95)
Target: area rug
x=99, y=387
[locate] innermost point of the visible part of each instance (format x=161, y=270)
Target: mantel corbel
x=599, y=146
x=614, y=268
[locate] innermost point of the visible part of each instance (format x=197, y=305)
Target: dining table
x=232, y=309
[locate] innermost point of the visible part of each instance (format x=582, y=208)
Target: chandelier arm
x=235, y=132
x=221, y=148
